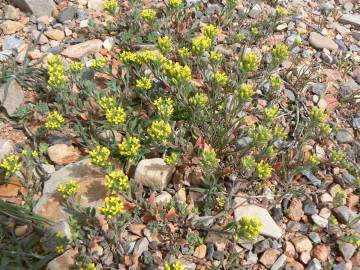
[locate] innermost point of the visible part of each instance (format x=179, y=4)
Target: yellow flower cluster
x=98, y=63
x=280, y=53
x=164, y=106
x=59, y=248
x=209, y=159
x=159, y=130
x=142, y=57
x=172, y=159
x=56, y=72
x=175, y=3
x=176, y=73
x=110, y=5
x=143, y=84
x=115, y=115
x=69, y=188
x=248, y=228
x=271, y=113
x=116, y=181
x=148, y=15
x=129, y=147
x=210, y=31
x=30, y=154
x=245, y=92
x=220, y=78
x=89, y=266
x=318, y=115
x=215, y=57
x=106, y=103
x=165, y=44
x=314, y=160
x=279, y=132
x=128, y=57
x=76, y=67
x=280, y=12
x=275, y=82
x=261, y=134
x=264, y=170
x=249, y=62
x=10, y=165
x=200, y=44
x=184, y=52
x=199, y=100
x=99, y=156
x=113, y=207
x=54, y=120
x=175, y=266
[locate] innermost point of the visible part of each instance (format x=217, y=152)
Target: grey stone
x=203, y=222
x=347, y=250
x=315, y=237
x=356, y=123
x=341, y=44
x=345, y=135
x=210, y=251
x=67, y=14
x=327, y=58
x=12, y=43
x=188, y=265
x=219, y=255
x=277, y=214
x=11, y=13
x=353, y=19
x=261, y=246
x=349, y=87
x=310, y=208
x=311, y=177
x=251, y=259
x=141, y=246
x=319, y=41
x=314, y=265
x=37, y=7
x=319, y=88
x=356, y=35
x=6, y=148
x=255, y=11
x=340, y=266
x=243, y=142
x=279, y=263
x=82, y=14
x=11, y=96
x=320, y=221
x=344, y=214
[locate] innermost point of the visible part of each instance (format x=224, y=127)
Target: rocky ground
x=309, y=223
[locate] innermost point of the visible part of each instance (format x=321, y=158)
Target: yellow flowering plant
x=56, y=73
x=54, y=120
x=176, y=73
x=249, y=62
x=115, y=115
x=143, y=83
x=200, y=44
x=68, y=189
x=116, y=181
x=76, y=67
x=113, y=207
x=159, y=131
x=129, y=147
x=175, y=266
x=149, y=15
x=263, y=170
x=110, y=6
x=100, y=155
x=165, y=44
x=98, y=63
x=10, y=165
x=165, y=107
x=248, y=228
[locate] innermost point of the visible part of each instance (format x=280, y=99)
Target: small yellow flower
x=172, y=159
x=150, y=57
x=271, y=113
x=128, y=57
x=76, y=67
x=56, y=72
x=69, y=188
x=209, y=159
x=248, y=163
x=60, y=248
x=129, y=147
x=249, y=63
x=10, y=165
x=98, y=63
x=220, y=78
x=113, y=207
x=248, y=228
x=280, y=53
x=199, y=100
x=159, y=130
x=184, y=52
x=116, y=115
x=110, y=5
x=176, y=73
x=54, y=120
x=175, y=3
x=200, y=44
x=165, y=44
x=318, y=115
x=210, y=31
x=106, y=103
x=100, y=155
x=245, y=92
x=261, y=134
x=89, y=266
x=175, y=266
x=314, y=160
x=279, y=132
x=215, y=57
x=280, y=12
x=143, y=84
x=275, y=82
x=164, y=106
x=263, y=170
x=148, y=15
x=116, y=181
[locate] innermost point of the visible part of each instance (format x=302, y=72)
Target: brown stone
x=10, y=27
x=55, y=34
x=295, y=265
x=356, y=259
x=301, y=243
x=269, y=257
x=64, y=261
x=78, y=51
x=321, y=252
x=295, y=210
x=62, y=154
x=289, y=249
x=137, y=229
x=200, y=252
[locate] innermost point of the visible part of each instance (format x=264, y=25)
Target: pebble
x=96, y=5
x=62, y=154
x=314, y=265
x=279, y=263
x=347, y=250
x=295, y=210
x=12, y=43
x=269, y=257
x=64, y=261
x=310, y=207
x=261, y=246
x=219, y=255
x=320, y=221
x=141, y=246
x=6, y=148
x=67, y=14
x=315, y=237
x=319, y=88
x=321, y=252
x=353, y=19
x=21, y=230
x=55, y=34
x=345, y=135
x=200, y=251
x=153, y=173
x=11, y=96
x=319, y=41
x=301, y=243
x=251, y=259
x=80, y=50
x=10, y=27
x=163, y=198
x=326, y=198
x=11, y=13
